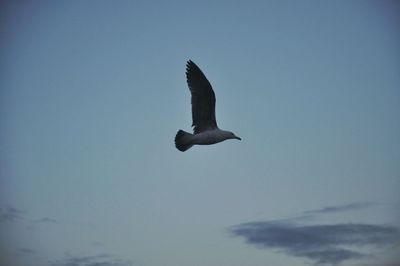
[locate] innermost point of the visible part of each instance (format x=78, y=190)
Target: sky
x=92, y=94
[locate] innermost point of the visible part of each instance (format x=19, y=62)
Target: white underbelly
x=208, y=137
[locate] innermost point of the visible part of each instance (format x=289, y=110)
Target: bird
x=205, y=129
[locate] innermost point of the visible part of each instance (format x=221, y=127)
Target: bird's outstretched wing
x=203, y=99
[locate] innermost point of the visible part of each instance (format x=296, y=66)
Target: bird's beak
x=237, y=138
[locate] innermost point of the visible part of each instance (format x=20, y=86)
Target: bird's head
x=231, y=135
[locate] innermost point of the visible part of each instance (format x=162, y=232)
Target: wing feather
x=203, y=99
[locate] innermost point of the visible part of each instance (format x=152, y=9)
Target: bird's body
x=206, y=131
x=212, y=136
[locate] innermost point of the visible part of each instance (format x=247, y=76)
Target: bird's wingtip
x=189, y=65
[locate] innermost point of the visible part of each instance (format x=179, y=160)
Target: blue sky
x=93, y=93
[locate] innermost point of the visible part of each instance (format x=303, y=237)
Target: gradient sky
x=93, y=92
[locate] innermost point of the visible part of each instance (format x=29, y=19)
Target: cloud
x=341, y=208
x=24, y=251
x=97, y=260
x=46, y=220
x=9, y=214
x=323, y=244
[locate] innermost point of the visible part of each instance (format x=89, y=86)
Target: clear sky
x=93, y=93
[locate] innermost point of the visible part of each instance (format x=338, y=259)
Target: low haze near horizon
x=93, y=93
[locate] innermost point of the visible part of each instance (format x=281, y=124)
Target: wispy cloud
x=46, y=220
x=9, y=214
x=341, y=208
x=25, y=251
x=328, y=244
x=97, y=260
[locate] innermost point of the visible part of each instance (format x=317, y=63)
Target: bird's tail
x=183, y=140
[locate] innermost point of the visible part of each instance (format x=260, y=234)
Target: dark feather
x=203, y=99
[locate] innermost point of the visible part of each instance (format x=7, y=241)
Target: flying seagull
x=206, y=131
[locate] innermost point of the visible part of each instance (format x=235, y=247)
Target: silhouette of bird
x=206, y=131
